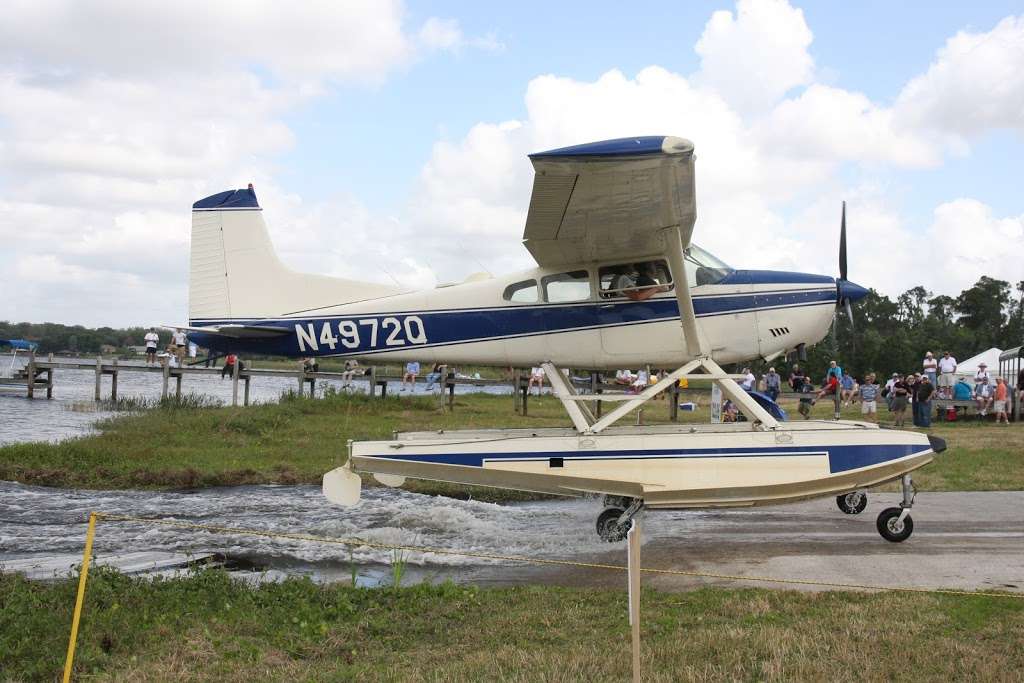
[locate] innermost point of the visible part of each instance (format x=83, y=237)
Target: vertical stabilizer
x=234, y=273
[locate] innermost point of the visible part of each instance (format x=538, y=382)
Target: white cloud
x=117, y=115
x=967, y=241
x=753, y=57
x=341, y=39
x=445, y=34
x=975, y=84
x=99, y=152
x=835, y=125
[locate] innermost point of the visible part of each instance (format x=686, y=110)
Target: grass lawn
x=298, y=439
x=209, y=627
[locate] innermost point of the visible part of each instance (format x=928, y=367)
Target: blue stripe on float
x=840, y=458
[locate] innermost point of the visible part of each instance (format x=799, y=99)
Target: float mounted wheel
x=852, y=503
x=608, y=527
x=890, y=526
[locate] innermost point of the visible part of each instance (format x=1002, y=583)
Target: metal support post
x=673, y=402
x=515, y=390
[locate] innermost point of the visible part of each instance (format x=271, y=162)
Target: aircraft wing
x=609, y=200
x=236, y=331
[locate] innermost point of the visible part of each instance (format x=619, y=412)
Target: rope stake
x=80, y=598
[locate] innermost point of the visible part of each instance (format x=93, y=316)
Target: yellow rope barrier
x=82, y=577
x=537, y=560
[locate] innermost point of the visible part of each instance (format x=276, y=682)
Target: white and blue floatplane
x=618, y=283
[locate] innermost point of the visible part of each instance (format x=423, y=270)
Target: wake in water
x=36, y=521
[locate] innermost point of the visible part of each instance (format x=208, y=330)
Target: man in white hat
x=982, y=376
x=947, y=375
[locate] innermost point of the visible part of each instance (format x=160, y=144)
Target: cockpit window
x=635, y=281
x=524, y=292
x=571, y=286
x=702, y=268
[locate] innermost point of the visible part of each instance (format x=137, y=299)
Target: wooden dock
x=38, y=376
x=42, y=372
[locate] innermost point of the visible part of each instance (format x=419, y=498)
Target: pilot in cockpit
x=645, y=285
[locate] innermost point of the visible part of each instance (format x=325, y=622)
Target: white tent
x=967, y=368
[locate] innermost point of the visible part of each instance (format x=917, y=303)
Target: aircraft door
x=637, y=313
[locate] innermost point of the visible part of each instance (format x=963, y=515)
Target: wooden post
x=595, y=388
x=49, y=382
x=113, y=382
x=673, y=406
x=633, y=562
x=234, y=381
x=451, y=391
x=373, y=381
x=302, y=377
x=166, y=369
x=99, y=377
x=177, y=385
x=31, y=370
x=245, y=400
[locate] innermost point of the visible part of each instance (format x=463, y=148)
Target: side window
x=571, y=286
x=524, y=292
x=623, y=279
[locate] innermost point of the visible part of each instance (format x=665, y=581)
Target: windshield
x=708, y=270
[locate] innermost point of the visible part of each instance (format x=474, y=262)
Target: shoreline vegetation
x=207, y=626
x=191, y=444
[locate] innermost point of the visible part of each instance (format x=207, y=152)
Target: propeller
x=843, y=300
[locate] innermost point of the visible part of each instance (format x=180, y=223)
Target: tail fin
x=234, y=273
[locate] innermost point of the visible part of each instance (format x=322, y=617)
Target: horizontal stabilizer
x=236, y=331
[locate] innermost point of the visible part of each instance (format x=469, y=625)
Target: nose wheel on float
x=852, y=503
x=895, y=524
x=616, y=519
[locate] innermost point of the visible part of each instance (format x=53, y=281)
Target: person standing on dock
x=180, y=342
x=152, y=339
x=412, y=368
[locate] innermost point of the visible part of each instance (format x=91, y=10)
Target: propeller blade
x=842, y=245
x=849, y=313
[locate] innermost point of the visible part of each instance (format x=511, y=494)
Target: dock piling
x=166, y=369
x=99, y=377
x=31, y=369
x=113, y=382
x=245, y=391
x=234, y=381
x=177, y=387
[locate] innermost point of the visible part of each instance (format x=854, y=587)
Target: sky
x=387, y=141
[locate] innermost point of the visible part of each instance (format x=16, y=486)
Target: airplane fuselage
x=745, y=315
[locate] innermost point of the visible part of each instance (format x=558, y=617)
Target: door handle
x=604, y=306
